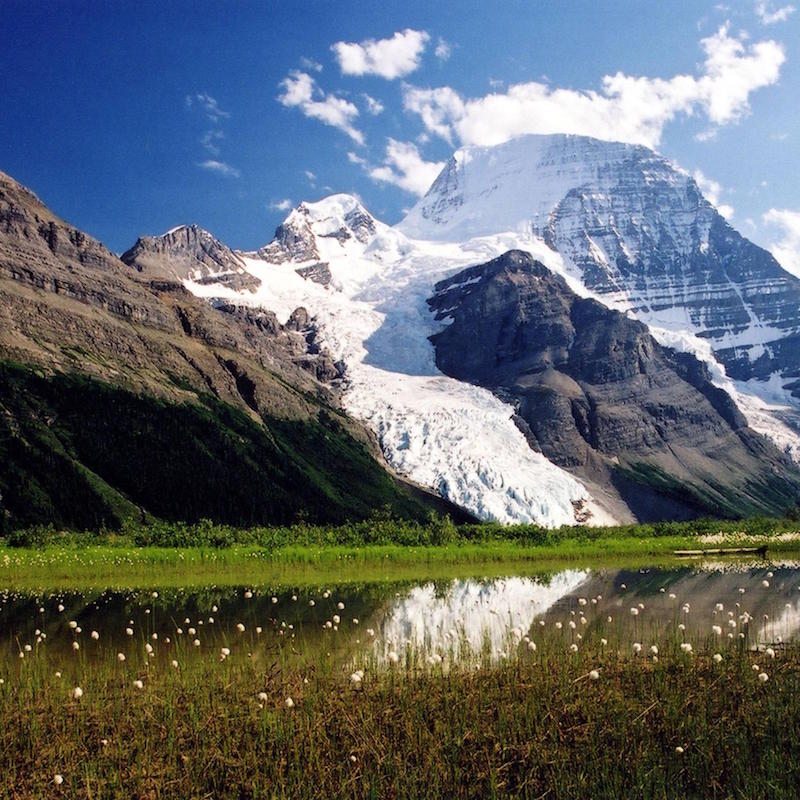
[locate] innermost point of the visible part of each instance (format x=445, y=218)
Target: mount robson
x=561, y=331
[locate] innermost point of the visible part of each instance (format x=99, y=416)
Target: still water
x=711, y=604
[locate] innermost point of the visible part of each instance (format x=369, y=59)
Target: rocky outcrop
x=599, y=396
x=189, y=253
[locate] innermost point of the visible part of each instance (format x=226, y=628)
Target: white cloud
x=280, y=205
x=374, y=106
x=787, y=248
x=767, y=16
x=309, y=63
x=628, y=108
x=712, y=190
x=310, y=175
x=405, y=167
x=443, y=50
x=209, y=106
x=354, y=158
x=220, y=167
x=210, y=139
x=300, y=90
x=387, y=58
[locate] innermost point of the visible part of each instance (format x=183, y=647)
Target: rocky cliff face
x=598, y=395
x=634, y=229
x=189, y=253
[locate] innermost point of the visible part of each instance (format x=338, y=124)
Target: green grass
x=534, y=725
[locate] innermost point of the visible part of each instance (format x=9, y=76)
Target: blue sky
x=129, y=118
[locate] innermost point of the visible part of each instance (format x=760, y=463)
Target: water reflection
x=709, y=604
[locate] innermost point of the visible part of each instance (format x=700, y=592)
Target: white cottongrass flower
x=355, y=620
x=259, y=629
x=274, y=600
x=73, y=624
x=653, y=650
x=137, y=684
x=573, y=648
x=129, y=631
x=594, y=675
x=175, y=663
x=95, y=635
x=763, y=677
x=77, y=693
x=340, y=606
x=581, y=601
x=765, y=584
x=559, y=626
x=192, y=631
x=240, y=627
x=225, y=651
x=719, y=607
x=532, y=646
x=717, y=658
x=637, y=647
x=686, y=647
x=289, y=702
x=60, y=608
x=262, y=696
x=120, y=657
x=148, y=648
x=355, y=679
x=770, y=652
x=58, y=779
x=716, y=630
x=634, y=612
x=370, y=632
x=336, y=619
x=248, y=594
x=154, y=637
x=572, y=625
x=672, y=595
x=76, y=646
x=679, y=750
x=27, y=648
x=393, y=657
x=312, y=602
x=196, y=643
x=604, y=642
x=681, y=627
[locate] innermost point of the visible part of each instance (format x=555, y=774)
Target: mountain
x=634, y=230
x=597, y=394
x=123, y=395
x=188, y=253
x=561, y=331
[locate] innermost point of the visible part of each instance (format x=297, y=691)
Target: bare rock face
x=189, y=253
x=68, y=304
x=597, y=394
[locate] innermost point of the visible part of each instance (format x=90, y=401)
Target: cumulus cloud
x=712, y=190
x=374, y=106
x=769, y=16
x=787, y=248
x=628, y=108
x=220, y=167
x=299, y=90
x=387, y=58
x=405, y=167
x=280, y=205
